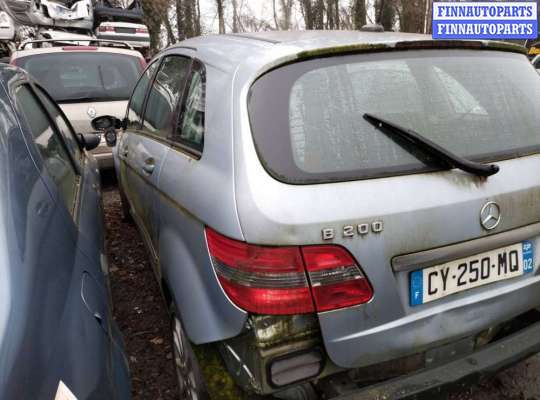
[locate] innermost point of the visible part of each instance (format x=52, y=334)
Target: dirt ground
x=142, y=317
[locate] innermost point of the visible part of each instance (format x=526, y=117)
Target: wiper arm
x=433, y=149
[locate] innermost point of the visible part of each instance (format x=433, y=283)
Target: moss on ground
x=220, y=384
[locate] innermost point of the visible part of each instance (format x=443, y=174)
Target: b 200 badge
x=351, y=231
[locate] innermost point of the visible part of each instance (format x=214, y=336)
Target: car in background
x=58, y=339
x=348, y=215
x=7, y=26
x=86, y=81
x=77, y=15
x=135, y=35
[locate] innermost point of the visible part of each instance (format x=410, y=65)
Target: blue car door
x=63, y=325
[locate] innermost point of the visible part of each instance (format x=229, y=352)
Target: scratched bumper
x=431, y=383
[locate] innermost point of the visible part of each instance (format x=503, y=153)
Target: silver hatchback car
x=339, y=214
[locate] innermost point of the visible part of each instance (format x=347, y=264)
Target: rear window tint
x=308, y=125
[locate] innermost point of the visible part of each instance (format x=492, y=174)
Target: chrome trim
x=412, y=262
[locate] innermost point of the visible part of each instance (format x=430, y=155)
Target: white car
x=86, y=82
x=7, y=26
x=79, y=15
x=134, y=34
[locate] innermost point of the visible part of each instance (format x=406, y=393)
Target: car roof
x=62, y=49
x=228, y=51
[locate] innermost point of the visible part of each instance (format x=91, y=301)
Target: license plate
x=436, y=282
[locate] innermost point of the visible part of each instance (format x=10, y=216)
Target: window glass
x=62, y=124
x=137, y=99
x=50, y=145
x=308, y=117
x=164, y=95
x=190, y=129
x=74, y=77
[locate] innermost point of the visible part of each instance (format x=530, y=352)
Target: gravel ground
x=142, y=317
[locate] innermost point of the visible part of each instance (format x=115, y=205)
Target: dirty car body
x=57, y=336
x=298, y=217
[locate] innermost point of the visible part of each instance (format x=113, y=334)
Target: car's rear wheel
x=190, y=381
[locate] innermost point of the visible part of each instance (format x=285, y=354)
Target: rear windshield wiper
x=432, y=149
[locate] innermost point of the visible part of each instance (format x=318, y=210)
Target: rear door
x=149, y=145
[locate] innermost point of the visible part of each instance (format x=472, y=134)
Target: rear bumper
x=431, y=327
x=432, y=382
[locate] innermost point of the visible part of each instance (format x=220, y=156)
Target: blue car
x=57, y=336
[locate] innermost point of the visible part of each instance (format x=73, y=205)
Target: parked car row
x=329, y=215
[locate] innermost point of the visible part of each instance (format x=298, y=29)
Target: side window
x=62, y=124
x=51, y=146
x=164, y=95
x=137, y=99
x=189, y=131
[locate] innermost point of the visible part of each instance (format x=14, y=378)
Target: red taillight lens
x=142, y=30
x=336, y=280
x=272, y=280
x=106, y=29
x=262, y=280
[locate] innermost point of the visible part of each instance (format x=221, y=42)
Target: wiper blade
x=432, y=149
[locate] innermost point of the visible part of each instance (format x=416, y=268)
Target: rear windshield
x=307, y=117
x=78, y=77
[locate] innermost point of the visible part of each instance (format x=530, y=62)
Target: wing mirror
x=89, y=140
x=108, y=125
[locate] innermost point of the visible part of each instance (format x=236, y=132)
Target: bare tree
x=308, y=13
x=283, y=21
x=359, y=13
x=154, y=13
x=180, y=19
x=189, y=18
x=412, y=17
x=386, y=13
x=198, y=29
x=235, y=24
x=221, y=15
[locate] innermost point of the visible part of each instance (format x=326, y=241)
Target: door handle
x=149, y=166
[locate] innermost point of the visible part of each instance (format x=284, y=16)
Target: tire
x=191, y=384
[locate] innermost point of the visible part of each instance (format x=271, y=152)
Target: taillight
x=336, y=280
x=142, y=30
x=106, y=29
x=262, y=280
x=274, y=280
